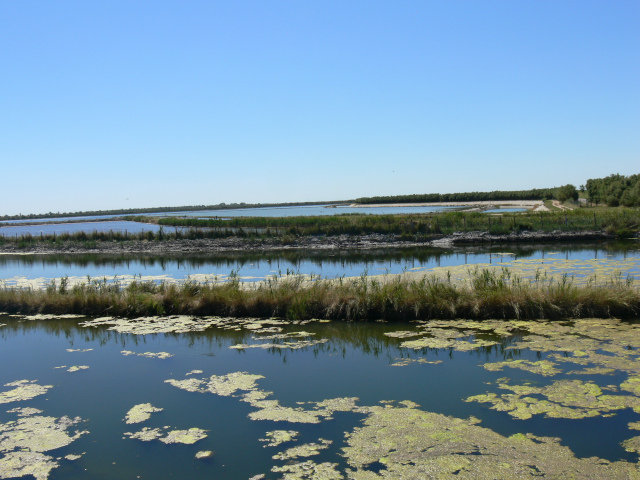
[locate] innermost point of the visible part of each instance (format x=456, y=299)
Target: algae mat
x=184, y=397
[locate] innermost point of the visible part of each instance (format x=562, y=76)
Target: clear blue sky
x=122, y=104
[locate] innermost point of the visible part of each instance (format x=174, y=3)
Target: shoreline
x=339, y=242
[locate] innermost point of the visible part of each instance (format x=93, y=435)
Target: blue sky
x=124, y=104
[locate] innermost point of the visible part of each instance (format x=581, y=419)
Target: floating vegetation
x=305, y=450
x=24, y=441
x=562, y=399
x=187, y=437
x=194, y=372
x=267, y=409
x=309, y=470
x=403, y=362
x=284, y=345
x=24, y=411
x=278, y=437
x=542, y=367
x=160, y=355
x=204, y=454
x=403, y=334
x=43, y=316
x=79, y=349
x=146, y=434
x=140, y=413
x=25, y=390
x=408, y=443
x=77, y=368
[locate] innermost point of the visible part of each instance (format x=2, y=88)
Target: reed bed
x=619, y=222
x=486, y=295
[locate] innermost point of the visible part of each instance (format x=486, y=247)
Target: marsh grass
x=486, y=294
x=620, y=222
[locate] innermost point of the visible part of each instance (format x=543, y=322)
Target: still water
x=582, y=259
x=323, y=384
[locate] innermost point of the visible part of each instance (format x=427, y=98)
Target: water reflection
x=329, y=264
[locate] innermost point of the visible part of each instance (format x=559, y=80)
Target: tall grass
x=487, y=294
x=620, y=222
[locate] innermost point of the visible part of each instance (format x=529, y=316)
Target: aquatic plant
x=477, y=293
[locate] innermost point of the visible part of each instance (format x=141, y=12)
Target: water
x=15, y=269
x=347, y=360
x=296, y=211
x=89, y=227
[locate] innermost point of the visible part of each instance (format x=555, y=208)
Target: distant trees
x=615, y=190
x=567, y=192
x=534, y=194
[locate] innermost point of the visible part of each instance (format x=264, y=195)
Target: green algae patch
x=410, y=444
x=24, y=390
x=284, y=345
x=403, y=362
x=24, y=442
x=140, y=413
x=305, y=450
x=188, y=437
x=204, y=454
x=77, y=368
x=160, y=355
x=24, y=411
x=278, y=437
x=309, y=470
x=542, y=367
x=146, y=434
x=571, y=399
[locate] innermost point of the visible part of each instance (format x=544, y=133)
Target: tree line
x=615, y=190
x=560, y=193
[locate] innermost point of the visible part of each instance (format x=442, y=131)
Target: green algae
x=140, y=413
x=25, y=390
x=77, y=368
x=278, y=437
x=24, y=411
x=284, y=345
x=309, y=470
x=188, y=437
x=411, y=444
x=160, y=355
x=305, y=450
x=146, y=434
x=572, y=399
x=24, y=441
x=542, y=367
x=204, y=454
x=403, y=362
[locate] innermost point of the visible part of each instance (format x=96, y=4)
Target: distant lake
x=296, y=211
x=89, y=227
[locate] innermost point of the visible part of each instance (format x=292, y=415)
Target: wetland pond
x=579, y=260
x=185, y=397
x=180, y=397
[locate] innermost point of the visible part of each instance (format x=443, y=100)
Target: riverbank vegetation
x=618, y=222
x=533, y=194
x=615, y=190
x=487, y=294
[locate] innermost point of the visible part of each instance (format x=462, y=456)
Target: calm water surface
x=328, y=264
x=355, y=361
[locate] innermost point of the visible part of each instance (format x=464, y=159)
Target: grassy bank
x=619, y=222
x=487, y=294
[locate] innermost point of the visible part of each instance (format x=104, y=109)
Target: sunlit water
x=355, y=360
x=579, y=259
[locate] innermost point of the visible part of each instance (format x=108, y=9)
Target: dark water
x=328, y=264
x=355, y=361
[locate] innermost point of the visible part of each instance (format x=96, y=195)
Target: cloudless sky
x=125, y=104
